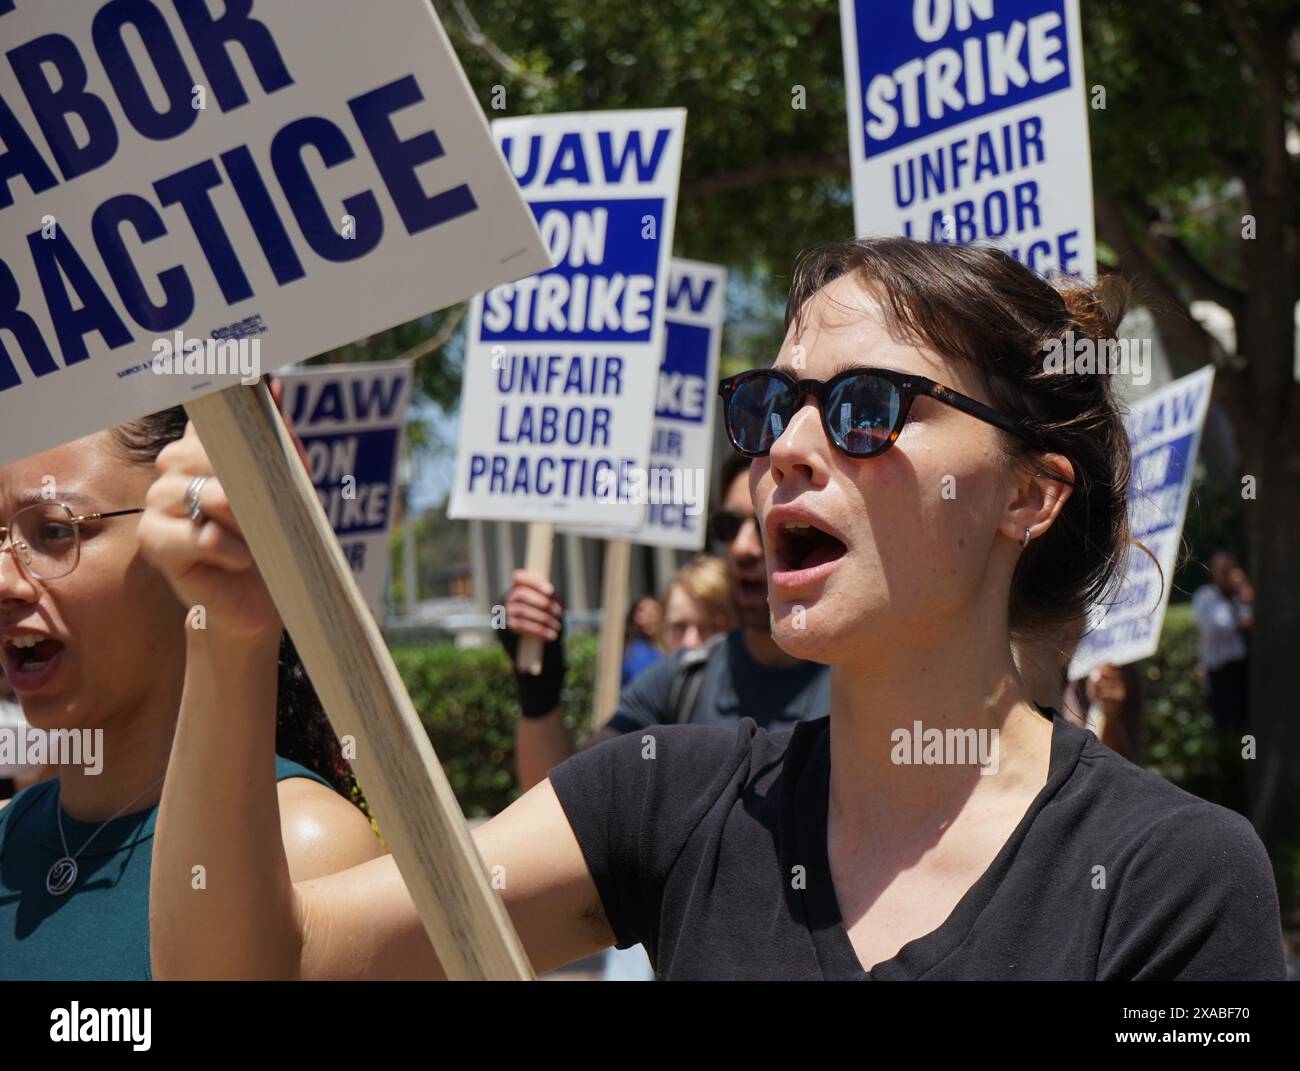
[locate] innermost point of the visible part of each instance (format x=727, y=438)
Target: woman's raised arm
x=221, y=902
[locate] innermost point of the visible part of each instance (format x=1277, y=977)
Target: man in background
x=742, y=674
x=1224, y=615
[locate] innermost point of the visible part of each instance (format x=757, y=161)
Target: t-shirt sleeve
x=633, y=802
x=1197, y=901
x=644, y=702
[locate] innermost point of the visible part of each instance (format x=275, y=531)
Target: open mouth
x=803, y=552
x=30, y=660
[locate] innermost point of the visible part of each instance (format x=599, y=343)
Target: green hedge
x=466, y=700
x=1180, y=741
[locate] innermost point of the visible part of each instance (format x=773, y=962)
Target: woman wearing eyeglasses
x=93, y=642
x=926, y=493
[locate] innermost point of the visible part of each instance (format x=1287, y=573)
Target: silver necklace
x=63, y=874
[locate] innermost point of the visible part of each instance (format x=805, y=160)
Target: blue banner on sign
x=926, y=67
x=1158, y=485
x=603, y=287
x=353, y=475
x=683, y=373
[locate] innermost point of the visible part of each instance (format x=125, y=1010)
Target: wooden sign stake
x=537, y=557
x=348, y=662
x=609, y=665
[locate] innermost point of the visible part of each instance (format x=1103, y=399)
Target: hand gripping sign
x=968, y=123
x=189, y=198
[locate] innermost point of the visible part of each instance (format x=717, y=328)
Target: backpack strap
x=688, y=679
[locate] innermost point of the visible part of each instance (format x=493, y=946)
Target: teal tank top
x=99, y=930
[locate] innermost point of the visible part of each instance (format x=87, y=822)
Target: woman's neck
x=133, y=753
x=884, y=763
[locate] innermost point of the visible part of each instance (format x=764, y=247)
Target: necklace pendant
x=62, y=876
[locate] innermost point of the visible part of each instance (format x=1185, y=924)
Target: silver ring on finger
x=193, y=510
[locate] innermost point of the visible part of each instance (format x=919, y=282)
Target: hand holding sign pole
x=354, y=675
x=537, y=558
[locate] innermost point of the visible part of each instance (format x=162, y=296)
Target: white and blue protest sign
x=561, y=368
x=676, y=491
x=192, y=194
x=1164, y=431
x=968, y=123
x=351, y=419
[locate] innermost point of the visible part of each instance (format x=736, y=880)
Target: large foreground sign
x=190, y=197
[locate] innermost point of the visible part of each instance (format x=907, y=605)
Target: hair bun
x=1096, y=310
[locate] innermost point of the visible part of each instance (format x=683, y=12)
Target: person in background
x=641, y=637
x=1224, y=611
x=745, y=674
x=1109, y=702
x=697, y=604
x=94, y=638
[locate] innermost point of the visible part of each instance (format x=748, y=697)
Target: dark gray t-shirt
x=693, y=852
x=734, y=686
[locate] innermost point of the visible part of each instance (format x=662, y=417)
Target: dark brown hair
x=980, y=305
x=732, y=466
x=302, y=732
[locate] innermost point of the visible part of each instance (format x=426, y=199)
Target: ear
x=1038, y=494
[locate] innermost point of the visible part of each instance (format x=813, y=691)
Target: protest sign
x=290, y=183
x=676, y=491
x=351, y=419
x=968, y=122
x=173, y=179
x=561, y=368
x=1164, y=432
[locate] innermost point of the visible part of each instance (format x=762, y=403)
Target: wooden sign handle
x=609, y=665
x=537, y=557
x=348, y=662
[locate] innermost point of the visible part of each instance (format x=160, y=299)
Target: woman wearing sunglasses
x=926, y=493
x=94, y=646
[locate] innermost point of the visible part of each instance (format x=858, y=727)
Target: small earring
x=1026, y=542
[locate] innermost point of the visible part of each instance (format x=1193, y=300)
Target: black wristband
x=538, y=695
